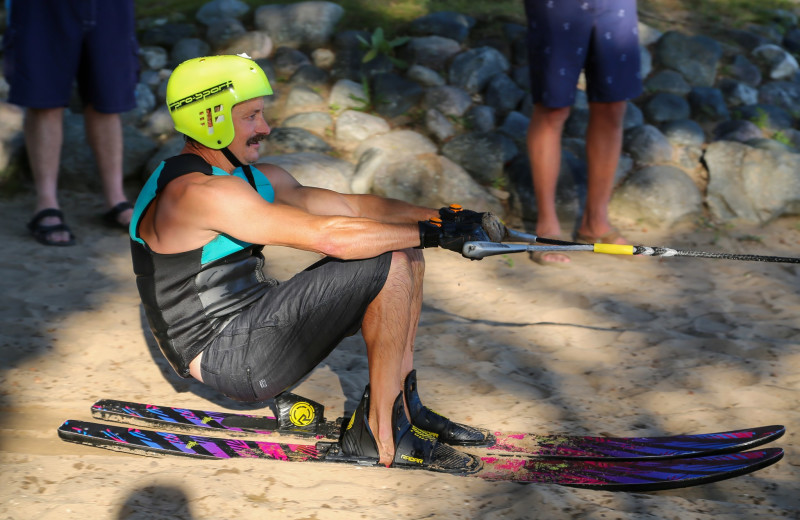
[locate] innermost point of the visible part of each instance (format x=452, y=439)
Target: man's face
x=249, y=129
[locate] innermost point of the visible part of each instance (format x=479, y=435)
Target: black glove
x=450, y=235
x=491, y=224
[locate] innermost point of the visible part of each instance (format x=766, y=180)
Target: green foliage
x=379, y=45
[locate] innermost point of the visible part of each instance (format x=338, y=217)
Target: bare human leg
x=544, y=151
x=389, y=326
x=603, y=148
x=44, y=135
x=104, y=134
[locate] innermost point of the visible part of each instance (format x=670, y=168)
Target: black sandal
x=110, y=217
x=42, y=233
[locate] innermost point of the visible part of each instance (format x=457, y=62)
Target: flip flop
x=42, y=233
x=110, y=217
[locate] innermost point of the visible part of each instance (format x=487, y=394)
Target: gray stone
x=256, y=44
x=395, y=95
x=292, y=140
x=471, y=70
x=303, y=24
x=451, y=25
x=737, y=130
x=315, y=169
x=186, y=49
x=353, y=126
x=287, y=60
x=769, y=118
x=323, y=58
x=659, y=195
x=398, y=144
x=737, y=93
x=223, y=30
x=708, y=104
x=438, y=125
x=745, y=71
x=666, y=107
x=448, y=100
x=315, y=122
x=310, y=75
x=683, y=132
x=503, y=94
x=433, y=52
x=153, y=57
x=779, y=63
x=158, y=123
x=346, y=94
x=667, y=81
x=216, y=9
x=480, y=118
x=696, y=57
x=483, y=155
x=304, y=97
x=646, y=144
x=750, y=184
x=168, y=34
x=782, y=94
x=425, y=76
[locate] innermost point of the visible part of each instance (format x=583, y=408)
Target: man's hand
x=449, y=234
x=491, y=224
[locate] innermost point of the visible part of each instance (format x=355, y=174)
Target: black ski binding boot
x=414, y=448
x=449, y=432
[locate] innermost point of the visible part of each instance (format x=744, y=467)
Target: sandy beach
x=609, y=345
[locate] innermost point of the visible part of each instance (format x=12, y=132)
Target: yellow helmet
x=201, y=93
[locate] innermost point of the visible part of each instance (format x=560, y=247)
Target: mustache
x=257, y=138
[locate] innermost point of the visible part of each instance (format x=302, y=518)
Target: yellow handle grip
x=614, y=249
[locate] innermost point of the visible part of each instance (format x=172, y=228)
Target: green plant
x=365, y=101
x=378, y=44
x=782, y=138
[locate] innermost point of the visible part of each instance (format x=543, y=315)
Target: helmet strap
x=232, y=158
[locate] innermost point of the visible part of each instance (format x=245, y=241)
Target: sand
x=609, y=345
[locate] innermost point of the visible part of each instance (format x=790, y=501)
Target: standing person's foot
x=119, y=216
x=553, y=258
x=612, y=236
x=48, y=227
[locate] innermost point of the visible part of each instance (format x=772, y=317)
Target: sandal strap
x=48, y=212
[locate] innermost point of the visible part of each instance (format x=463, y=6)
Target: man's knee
x=410, y=261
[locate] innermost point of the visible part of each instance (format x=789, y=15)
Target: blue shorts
x=598, y=36
x=51, y=43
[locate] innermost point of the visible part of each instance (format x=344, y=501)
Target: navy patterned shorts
x=598, y=36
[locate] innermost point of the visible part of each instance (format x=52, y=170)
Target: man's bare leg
x=388, y=328
x=544, y=151
x=104, y=134
x=603, y=148
x=44, y=134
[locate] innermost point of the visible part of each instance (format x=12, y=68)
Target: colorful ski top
x=612, y=475
x=300, y=417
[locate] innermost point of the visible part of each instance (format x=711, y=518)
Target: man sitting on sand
x=197, y=232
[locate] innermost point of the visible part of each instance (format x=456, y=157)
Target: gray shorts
x=278, y=340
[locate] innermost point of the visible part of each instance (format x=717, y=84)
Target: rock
x=445, y=24
x=438, y=125
x=471, y=70
x=315, y=169
x=319, y=123
x=256, y=44
x=300, y=25
x=186, y=49
x=448, y=100
x=779, y=63
x=669, y=82
x=664, y=107
x=737, y=130
x=425, y=76
x=750, y=184
x=646, y=144
x=695, y=57
x=292, y=140
x=223, y=30
x=483, y=155
x=346, y=94
x=217, y=9
x=683, y=132
x=659, y=195
x=433, y=52
x=352, y=127
x=708, y=104
x=394, y=95
x=503, y=94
